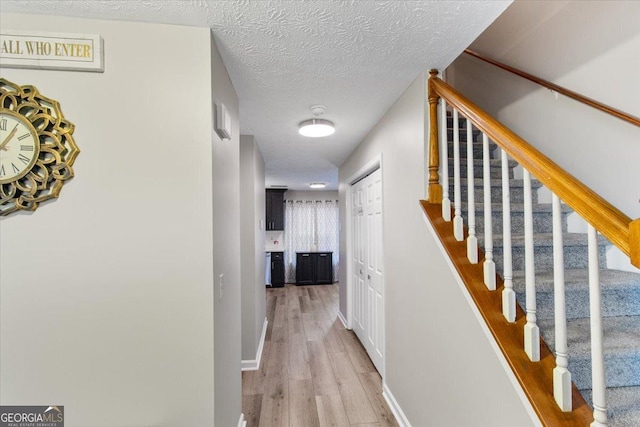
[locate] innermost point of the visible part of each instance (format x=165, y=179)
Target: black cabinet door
x=277, y=269
x=274, y=203
x=305, y=267
x=268, y=208
x=277, y=210
x=324, y=268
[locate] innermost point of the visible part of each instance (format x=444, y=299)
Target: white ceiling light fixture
x=317, y=185
x=316, y=128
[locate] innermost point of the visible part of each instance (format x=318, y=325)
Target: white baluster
x=472, y=240
x=561, y=375
x=508, y=294
x=597, y=352
x=444, y=153
x=489, y=265
x=458, y=232
x=531, y=330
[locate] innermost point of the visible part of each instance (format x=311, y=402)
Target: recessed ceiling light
x=316, y=128
x=317, y=185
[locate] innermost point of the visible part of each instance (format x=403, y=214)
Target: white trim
x=254, y=365
x=242, y=422
x=369, y=167
x=483, y=325
x=401, y=418
x=342, y=319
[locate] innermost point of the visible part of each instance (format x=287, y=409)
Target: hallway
x=313, y=372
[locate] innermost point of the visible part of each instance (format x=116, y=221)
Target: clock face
x=19, y=146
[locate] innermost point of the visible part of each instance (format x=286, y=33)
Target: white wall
x=226, y=252
x=106, y=293
x=589, y=47
x=440, y=366
x=252, y=234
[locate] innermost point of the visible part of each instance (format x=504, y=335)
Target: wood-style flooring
x=314, y=372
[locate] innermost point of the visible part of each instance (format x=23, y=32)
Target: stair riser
x=476, y=136
x=542, y=222
x=462, y=122
x=575, y=256
x=495, y=171
x=622, y=370
x=615, y=302
x=477, y=151
x=516, y=194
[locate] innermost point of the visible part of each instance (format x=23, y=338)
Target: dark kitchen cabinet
x=305, y=269
x=314, y=268
x=277, y=269
x=274, y=202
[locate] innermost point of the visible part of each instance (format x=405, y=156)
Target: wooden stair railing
x=618, y=228
x=534, y=378
x=602, y=215
x=556, y=88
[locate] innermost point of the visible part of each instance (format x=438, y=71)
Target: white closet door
x=368, y=277
x=357, y=228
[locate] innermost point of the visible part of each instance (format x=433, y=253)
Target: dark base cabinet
x=314, y=268
x=277, y=269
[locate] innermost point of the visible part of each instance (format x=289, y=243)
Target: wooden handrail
x=606, y=218
x=571, y=94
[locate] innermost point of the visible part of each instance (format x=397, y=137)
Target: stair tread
x=579, y=279
x=546, y=239
x=518, y=207
x=623, y=405
x=492, y=162
x=496, y=182
x=621, y=335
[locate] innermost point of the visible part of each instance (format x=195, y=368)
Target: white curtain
x=308, y=224
x=328, y=231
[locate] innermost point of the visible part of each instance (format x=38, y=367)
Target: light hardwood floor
x=314, y=372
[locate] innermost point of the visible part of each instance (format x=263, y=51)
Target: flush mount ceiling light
x=316, y=128
x=317, y=185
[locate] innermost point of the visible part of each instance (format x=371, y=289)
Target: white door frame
x=368, y=168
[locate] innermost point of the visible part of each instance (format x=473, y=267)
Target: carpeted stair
x=620, y=289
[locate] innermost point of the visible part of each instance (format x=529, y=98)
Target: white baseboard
x=242, y=422
x=401, y=418
x=254, y=365
x=343, y=320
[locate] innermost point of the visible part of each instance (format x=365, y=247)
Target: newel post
x=634, y=242
x=435, y=189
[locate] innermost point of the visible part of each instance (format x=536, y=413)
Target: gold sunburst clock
x=37, y=149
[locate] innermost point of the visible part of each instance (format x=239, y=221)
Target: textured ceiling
x=354, y=57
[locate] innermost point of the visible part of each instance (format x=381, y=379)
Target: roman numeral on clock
x=3, y=124
x=21, y=137
x=2, y=172
x=23, y=158
x=26, y=148
x=15, y=168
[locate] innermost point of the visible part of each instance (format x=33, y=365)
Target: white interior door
x=357, y=228
x=368, y=269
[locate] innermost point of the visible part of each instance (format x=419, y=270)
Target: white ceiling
x=354, y=57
